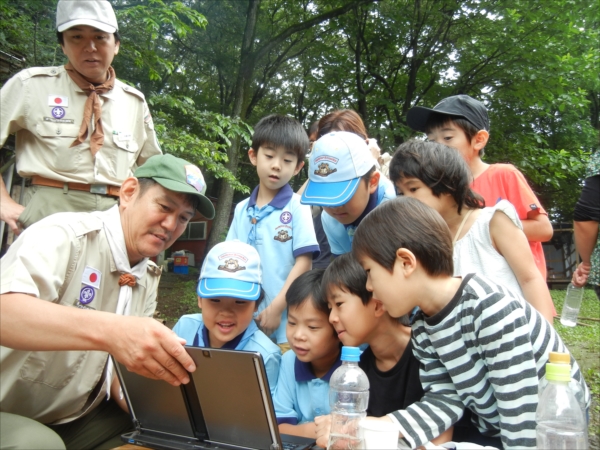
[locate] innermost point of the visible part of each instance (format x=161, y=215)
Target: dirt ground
x=177, y=296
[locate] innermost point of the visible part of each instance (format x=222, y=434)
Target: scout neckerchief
x=129, y=275
x=92, y=105
x=255, y=214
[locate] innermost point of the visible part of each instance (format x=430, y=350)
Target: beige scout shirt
x=45, y=108
x=49, y=262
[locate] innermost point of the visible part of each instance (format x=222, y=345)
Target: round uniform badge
x=86, y=295
x=58, y=112
x=286, y=217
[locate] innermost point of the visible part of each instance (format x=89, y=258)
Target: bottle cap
x=558, y=372
x=350, y=354
x=559, y=358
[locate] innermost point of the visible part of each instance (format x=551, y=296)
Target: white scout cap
x=231, y=269
x=336, y=165
x=95, y=13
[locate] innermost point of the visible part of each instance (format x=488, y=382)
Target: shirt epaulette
x=38, y=71
x=154, y=269
x=131, y=90
x=82, y=226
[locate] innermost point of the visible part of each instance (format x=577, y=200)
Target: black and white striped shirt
x=485, y=351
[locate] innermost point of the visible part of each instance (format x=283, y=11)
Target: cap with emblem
x=94, y=13
x=178, y=175
x=231, y=269
x=458, y=105
x=336, y=165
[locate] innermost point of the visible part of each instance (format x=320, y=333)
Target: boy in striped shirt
x=479, y=347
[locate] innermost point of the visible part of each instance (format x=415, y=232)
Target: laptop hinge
x=138, y=425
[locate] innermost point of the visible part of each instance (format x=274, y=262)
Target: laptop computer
x=226, y=405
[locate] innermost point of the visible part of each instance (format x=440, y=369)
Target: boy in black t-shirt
x=358, y=318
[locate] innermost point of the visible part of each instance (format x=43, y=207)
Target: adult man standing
x=79, y=131
x=61, y=284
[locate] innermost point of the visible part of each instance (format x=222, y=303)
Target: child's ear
x=379, y=310
x=480, y=140
x=406, y=261
x=299, y=167
x=199, y=302
x=374, y=182
x=252, y=154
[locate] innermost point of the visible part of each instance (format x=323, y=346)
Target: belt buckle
x=99, y=189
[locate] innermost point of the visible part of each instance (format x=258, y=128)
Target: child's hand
x=269, y=319
x=323, y=426
x=581, y=274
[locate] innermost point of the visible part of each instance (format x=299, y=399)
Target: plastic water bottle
x=560, y=421
x=574, y=385
x=571, y=306
x=348, y=399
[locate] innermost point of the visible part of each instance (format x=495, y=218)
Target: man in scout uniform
x=77, y=286
x=79, y=131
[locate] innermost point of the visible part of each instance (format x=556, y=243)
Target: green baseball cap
x=178, y=175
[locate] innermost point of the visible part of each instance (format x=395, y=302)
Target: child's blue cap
x=350, y=354
x=336, y=165
x=231, y=269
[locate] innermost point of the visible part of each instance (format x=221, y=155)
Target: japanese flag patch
x=91, y=277
x=58, y=100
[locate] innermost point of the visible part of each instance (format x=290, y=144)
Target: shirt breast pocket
x=54, y=369
x=58, y=138
x=125, y=149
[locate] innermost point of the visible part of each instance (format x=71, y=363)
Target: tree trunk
x=243, y=80
x=248, y=58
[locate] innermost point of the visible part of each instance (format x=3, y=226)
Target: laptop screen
x=155, y=404
x=235, y=398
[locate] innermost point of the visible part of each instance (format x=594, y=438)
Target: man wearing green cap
x=76, y=287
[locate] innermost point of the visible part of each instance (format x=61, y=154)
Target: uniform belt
x=104, y=189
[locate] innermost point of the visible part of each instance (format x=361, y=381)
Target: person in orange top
x=462, y=123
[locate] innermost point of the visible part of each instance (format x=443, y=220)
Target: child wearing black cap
x=461, y=122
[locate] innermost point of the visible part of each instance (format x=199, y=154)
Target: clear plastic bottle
x=571, y=306
x=560, y=421
x=348, y=399
x=574, y=385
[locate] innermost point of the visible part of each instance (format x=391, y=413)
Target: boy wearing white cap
x=342, y=178
x=80, y=131
x=229, y=292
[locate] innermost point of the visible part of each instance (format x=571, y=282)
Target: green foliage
x=198, y=136
x=152, y=33
x=535, y=65
x=28, y=30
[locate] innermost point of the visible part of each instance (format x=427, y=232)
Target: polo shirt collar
x=281, y=199
x=231, y=345
x=303, y=370
x=370, y=207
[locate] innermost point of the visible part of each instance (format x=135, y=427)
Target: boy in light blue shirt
x=303, y=386
x=342, y=178
x=273, y=221
x=229, y=293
